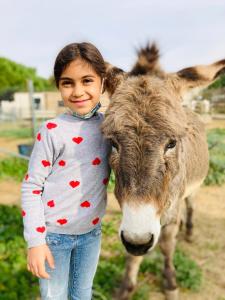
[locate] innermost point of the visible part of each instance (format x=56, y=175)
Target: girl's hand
x=36, y=261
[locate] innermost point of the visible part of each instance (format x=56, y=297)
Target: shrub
x=13, y=167
x=216, y=142
x=15, y=281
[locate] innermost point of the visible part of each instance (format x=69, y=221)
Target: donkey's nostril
x=137, y=248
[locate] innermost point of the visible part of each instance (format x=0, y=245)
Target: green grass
x=16, y=133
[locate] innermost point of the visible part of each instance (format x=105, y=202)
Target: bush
x=15, y=281
x=188, y=273
x=13, y=167
x=216, y=142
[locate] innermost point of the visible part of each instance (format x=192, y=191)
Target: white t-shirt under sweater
x=64, y=190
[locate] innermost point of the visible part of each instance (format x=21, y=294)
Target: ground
x=208, y=246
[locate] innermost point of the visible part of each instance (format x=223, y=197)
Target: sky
x=188, y=32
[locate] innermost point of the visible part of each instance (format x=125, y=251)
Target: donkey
x=159, y=157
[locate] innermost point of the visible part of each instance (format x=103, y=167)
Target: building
x=46, y=105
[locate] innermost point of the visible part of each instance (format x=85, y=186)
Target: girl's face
x=80, y=87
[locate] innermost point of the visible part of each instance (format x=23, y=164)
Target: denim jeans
x=76, y=258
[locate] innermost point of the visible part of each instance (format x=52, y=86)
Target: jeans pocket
x=53, y=239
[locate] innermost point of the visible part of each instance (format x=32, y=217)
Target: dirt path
x=9, y=192
x=216, y=124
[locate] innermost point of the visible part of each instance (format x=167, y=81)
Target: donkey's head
x=146, y=123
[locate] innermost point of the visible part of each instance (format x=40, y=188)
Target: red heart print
x=51, y=125
x=77, y=139
x=36, y=192
x=74, y=184
x=51, y=203
x=95, y=221
x=23, y=213
x=85, y=204
x=26, y=177
x=45, y=163
x=39, y=136
x=105, y=181
x=40, y=229
x=96, y=161
x=62, y=221
x=62, y=163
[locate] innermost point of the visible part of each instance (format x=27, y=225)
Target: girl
x=64, y=191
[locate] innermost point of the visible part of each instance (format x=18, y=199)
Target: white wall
x=20, y=107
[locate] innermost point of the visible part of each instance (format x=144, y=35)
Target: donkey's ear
x=113, y=78
x=198, y=76
x=148, y=62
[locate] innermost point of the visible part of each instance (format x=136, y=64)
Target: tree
x=14, y=76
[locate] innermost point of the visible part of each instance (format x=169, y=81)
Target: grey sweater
x=64, y=190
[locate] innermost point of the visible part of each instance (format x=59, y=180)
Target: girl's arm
x=40, y=165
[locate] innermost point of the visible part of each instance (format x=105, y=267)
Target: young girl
x=64, y=191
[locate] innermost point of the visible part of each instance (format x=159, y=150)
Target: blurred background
x=32, y=33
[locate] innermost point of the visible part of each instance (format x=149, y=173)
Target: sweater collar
x=89, y=115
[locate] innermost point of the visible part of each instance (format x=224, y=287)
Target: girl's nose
x=78, y=91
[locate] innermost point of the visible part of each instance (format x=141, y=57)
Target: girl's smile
x=79, y=103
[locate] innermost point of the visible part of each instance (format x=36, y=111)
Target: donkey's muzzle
x=137, y=249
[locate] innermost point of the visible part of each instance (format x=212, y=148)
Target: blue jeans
x=76, y=258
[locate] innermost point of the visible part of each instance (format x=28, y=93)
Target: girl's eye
x=66, y=83
x=87, y=81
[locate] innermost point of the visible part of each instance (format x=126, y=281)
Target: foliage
x=218, y=83
x=15, y=282
x=216, y=142
x=13, y=167
x=14, y=76
x=112, y=181
x=188, y=274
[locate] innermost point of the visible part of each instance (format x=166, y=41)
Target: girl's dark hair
x=85, y=51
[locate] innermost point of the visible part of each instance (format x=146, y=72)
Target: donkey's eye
x=115, y=146
x=170, y=145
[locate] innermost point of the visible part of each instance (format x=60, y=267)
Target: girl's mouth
x=78, y=101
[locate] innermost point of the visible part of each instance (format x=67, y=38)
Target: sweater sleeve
x=40, y=166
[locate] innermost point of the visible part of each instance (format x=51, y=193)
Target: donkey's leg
x=167, y=245
x=189, y=217
x=130, y=278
